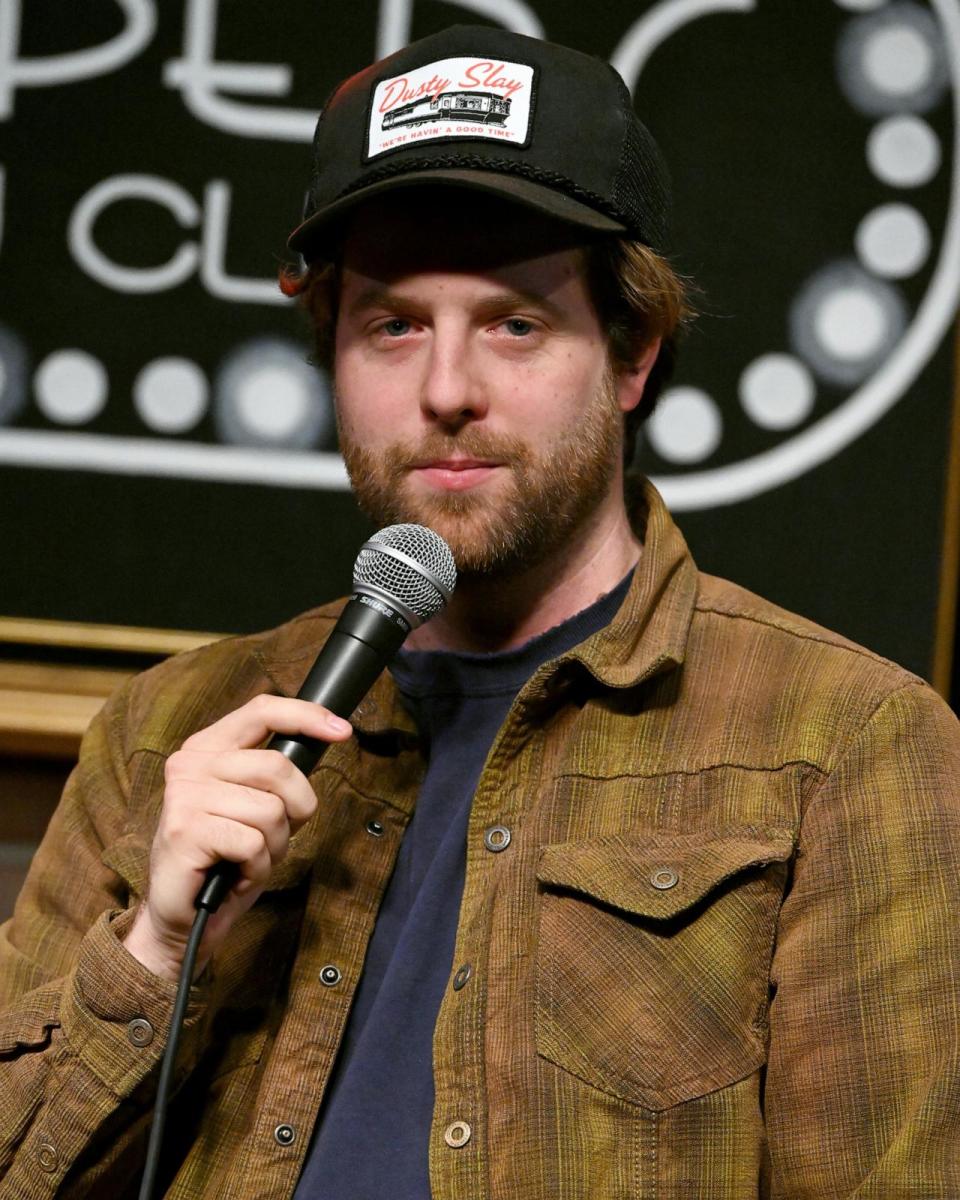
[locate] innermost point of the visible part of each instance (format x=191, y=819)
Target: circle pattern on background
x=892, y=60
x=71, y=387
x=686, y=426
x=893, y=241
x=265, y=394
x=899, y=61
x=171, y=395
x=903, y=152
x=13, y=376
x=844, y=321
x=777, y=392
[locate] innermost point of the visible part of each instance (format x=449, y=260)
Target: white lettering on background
x=89, y=256
x=201, y=79
x=140, y=23
x=207, y=255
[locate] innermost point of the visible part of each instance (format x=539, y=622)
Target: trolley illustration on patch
x=484, y=108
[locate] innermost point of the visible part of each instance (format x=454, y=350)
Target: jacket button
x=330, y=975
x=664, y=878
x=461, y=977
x=47, y=1157
x=285, y=1135
x=457, y=1134
x=140, y=1032
x=496, y=838
x=374, y=828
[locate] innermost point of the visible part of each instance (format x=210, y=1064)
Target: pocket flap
x=30, y=1024
x=661, y=875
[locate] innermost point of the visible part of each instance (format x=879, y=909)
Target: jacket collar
x=648, y=635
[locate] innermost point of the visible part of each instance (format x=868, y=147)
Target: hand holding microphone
x=230, y=807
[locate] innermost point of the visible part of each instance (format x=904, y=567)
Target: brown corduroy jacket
x=715, y=957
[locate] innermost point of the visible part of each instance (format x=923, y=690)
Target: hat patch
x=453, y=98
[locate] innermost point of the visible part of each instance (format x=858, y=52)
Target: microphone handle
x=364, y=639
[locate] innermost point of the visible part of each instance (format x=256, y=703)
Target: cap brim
x=315, y=234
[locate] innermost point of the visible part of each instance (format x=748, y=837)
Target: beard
x=546, y=497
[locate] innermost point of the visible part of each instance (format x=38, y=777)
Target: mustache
x=470, y=443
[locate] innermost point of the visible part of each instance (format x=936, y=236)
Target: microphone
x=403, y=576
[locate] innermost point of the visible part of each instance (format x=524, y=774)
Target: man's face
x=474, y=392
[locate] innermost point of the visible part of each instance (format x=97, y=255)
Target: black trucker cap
x=474, y=107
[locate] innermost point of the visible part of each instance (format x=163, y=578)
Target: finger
x=262, y=811
x=254, y=721
x=263, y=770
x=214, y=838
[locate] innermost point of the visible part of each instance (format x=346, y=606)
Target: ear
x=632, y=379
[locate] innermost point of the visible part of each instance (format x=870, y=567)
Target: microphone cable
x=155, y=1144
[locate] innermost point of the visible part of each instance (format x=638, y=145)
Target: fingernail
x=338, y=725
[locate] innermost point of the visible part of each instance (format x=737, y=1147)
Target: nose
x=453, y=394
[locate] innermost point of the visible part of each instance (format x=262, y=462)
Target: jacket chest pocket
x=654, y=956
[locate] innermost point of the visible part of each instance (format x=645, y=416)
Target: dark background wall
x=165, y=449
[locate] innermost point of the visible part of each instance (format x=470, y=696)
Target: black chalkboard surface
x=167, y=455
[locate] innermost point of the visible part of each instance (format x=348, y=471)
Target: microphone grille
x=409, y=564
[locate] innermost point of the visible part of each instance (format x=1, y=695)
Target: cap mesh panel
x=641, y=188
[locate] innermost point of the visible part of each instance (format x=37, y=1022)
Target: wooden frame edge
x=945, y=628
x=121, y=639
x=46, y=706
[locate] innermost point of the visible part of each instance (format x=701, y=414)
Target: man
x=623, y=882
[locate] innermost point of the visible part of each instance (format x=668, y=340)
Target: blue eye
x=396, y=327
x=518, y=326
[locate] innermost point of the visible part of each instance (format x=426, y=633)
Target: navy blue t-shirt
x=372, y=1136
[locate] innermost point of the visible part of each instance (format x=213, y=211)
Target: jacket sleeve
x=82, y=1023
x=863, y=1084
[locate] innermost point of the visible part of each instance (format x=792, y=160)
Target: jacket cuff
x=117, y=1013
